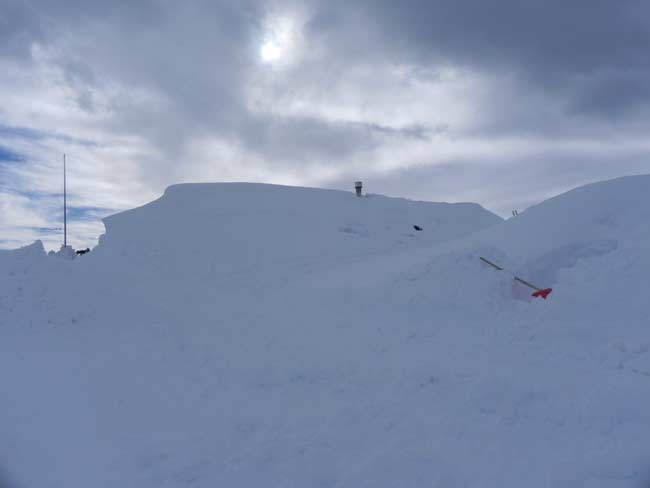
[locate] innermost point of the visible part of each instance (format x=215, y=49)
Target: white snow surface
x=245, y=335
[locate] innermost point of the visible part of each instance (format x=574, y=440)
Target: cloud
x=473, y=180
x=144, y=94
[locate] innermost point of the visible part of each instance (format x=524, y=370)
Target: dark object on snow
x=417, y=227
x=357, y=187
x=82, y=251
x=539, y=292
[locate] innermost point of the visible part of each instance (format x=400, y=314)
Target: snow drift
x=211, y=229
x=254, y=335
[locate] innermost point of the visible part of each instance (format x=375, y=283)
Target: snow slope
x=254, y=335
x=211, y=229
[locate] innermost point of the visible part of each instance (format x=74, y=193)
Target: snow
x=236, y=228
x=256, y=335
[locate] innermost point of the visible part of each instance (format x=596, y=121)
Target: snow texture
x=245, y=335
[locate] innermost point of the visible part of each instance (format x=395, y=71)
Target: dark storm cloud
x=592, y=51
x=18, y=29
x=195, y=52
x=613, y=93
x=197, y=56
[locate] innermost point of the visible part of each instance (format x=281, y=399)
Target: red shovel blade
x=543, y=293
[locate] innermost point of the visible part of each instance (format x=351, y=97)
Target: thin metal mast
x=65, y=208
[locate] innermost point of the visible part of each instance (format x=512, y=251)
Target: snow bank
x=598, y=224
x=312, y=338
x=26, y=256
x=615, y=210
x=212, y=229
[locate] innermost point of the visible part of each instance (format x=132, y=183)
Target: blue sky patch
x=88, y=213
x=20, y=132
x=10, y=156
x=10, y=132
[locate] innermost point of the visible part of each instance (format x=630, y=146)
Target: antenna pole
x=65, y=208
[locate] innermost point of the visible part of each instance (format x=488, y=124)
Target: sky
x=504, y=103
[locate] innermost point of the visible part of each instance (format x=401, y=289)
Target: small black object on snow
x=417, y=227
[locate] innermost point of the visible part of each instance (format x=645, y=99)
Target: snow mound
x=26, y=254
x=255, y=335
x=593, y=225
x=609, y=211
x=17, y=265
x=212, y=229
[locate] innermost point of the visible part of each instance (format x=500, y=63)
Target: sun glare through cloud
x=270, y=52
x=280, y=40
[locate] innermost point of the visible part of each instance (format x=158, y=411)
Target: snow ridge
x=255, y=335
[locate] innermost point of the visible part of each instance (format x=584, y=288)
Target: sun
x=279, y=42
x=270, y=51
